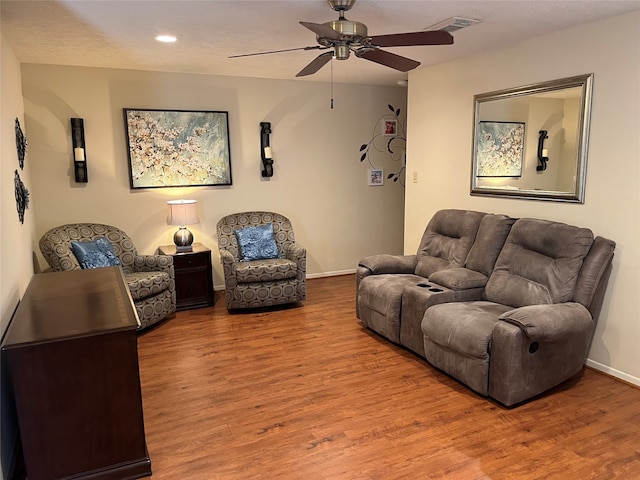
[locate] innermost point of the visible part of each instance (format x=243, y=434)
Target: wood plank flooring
x=308, y=393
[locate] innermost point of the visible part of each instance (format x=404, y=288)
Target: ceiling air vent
x=452, y=24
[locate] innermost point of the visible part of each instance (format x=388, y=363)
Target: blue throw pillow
x=96, y=254
x=257, y=243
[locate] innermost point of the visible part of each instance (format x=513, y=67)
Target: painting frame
x=376, y=177
x=389, y=127
x=177, y=148
x=500, y=149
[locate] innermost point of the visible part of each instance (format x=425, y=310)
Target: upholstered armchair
x=260, y=282
x=150, y=278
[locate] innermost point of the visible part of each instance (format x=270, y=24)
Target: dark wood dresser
x=71, y=352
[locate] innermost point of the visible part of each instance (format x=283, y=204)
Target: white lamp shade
x=182, y=212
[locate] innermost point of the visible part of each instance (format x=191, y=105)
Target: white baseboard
x=331, y=274
x=613, y=372
x=311, y=275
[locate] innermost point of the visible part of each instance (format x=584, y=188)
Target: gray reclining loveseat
x=506, y=306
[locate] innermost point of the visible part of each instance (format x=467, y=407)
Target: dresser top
x=72, y=304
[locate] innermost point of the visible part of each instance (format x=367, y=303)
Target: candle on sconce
x=545, y=152
x=78, y=154
x=267, y=152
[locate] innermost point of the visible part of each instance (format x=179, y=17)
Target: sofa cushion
x=492, y=233
x=257, y=242
x=463, y=327
x=145, y=284
x=539, y=263
x=95, y=254
x=266, y=270
x=447, y=240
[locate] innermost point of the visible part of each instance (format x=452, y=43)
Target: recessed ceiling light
x=166, y=38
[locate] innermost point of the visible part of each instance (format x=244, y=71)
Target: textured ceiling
x=120, y=33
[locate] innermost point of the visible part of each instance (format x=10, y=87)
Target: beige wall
x=440, y=145
x=319, y=182
x=16, y=239
x=16, y=266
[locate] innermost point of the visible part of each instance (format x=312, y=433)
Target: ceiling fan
x=344, y=36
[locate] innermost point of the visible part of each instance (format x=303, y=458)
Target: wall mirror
x=531, y=142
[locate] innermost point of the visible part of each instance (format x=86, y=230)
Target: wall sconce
x=181, y=214
x=79, y=155
x=265, y=149
x=543, y=153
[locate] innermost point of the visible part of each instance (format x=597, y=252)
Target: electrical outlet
x=415, y=177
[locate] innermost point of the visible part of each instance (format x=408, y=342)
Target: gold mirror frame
x=562, y=116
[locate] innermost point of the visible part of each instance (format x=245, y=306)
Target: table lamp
x=181, y=214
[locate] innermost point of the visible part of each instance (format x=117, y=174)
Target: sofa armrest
x=459, y=278
x=386, y=263
x=552, y=322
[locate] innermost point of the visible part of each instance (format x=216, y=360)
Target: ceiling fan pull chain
x=331, y=83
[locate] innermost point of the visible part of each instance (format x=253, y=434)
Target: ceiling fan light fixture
x=341, y=51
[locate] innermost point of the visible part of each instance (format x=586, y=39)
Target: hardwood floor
x=308, y=393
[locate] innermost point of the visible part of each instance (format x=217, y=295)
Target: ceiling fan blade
x=315, y=47
x=388, y=59
x=319, y=62
x=437, y=37
x=322, y=30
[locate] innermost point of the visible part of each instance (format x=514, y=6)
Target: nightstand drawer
x=195, y=260
x=192, y=286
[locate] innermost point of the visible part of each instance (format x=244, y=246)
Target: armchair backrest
x=55, y=244
x=282, y=229
x=447, y=240
x=539, y=263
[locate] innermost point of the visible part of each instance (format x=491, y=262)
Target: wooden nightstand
x=194, y=280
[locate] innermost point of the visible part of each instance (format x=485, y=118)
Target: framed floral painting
x=500, y=149
x=177, y=148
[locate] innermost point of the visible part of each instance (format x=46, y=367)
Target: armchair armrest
x=295, y=252
x=387, y=263
x=552, y=322
x=298, y=254
x=228, y=267
x=226, y=257
x=154, y=263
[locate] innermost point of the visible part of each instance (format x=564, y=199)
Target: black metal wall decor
x=21, y=144
x=265, y=149
x=388, y=139
x=542, y=152
x=22, y=196
x=79, y=153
